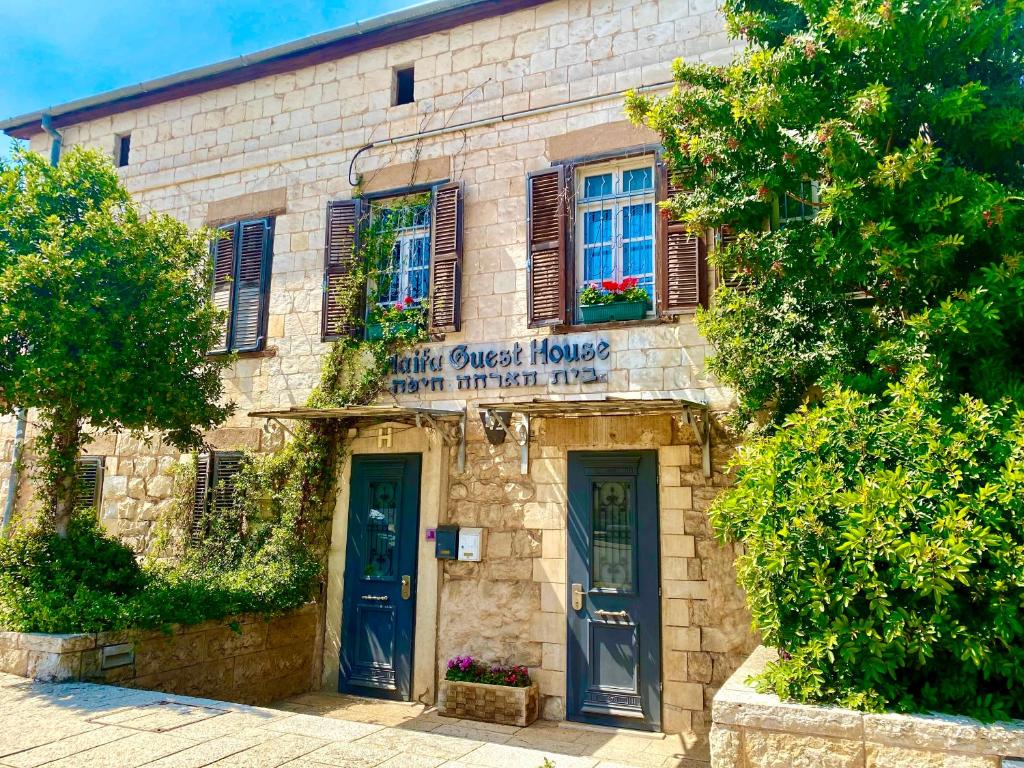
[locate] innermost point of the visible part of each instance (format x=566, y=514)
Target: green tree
x=867, y=157
x=105, y=316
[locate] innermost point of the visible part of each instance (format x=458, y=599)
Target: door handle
x=406, y=587
x=577, y=597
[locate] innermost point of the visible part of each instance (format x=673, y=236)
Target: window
x=408, y=273
x=792, y=210
x=214, y=495
x=241, y=283
x=404, y=87
x=424, y=265
x=90, y=483
x=615, y=218
x=123, y=148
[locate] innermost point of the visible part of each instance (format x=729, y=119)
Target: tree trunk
x=58, y=447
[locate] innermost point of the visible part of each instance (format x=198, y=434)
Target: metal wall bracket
x=518, y=431
x=701, y=426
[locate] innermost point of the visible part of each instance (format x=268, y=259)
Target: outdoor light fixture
x=496, y=425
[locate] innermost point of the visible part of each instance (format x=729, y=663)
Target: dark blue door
x=380, y=577
x=614, y=654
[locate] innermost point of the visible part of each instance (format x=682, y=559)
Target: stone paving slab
x=78, y=725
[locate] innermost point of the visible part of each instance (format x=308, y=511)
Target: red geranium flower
x=629, y=282
x=610, y=285
x=408, y=301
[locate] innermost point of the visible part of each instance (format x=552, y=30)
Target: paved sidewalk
x=94, y=726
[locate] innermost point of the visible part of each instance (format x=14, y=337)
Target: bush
x=884, y=552
x=90, y=582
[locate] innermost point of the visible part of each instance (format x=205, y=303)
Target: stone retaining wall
x=249, y=658
x=753, y=730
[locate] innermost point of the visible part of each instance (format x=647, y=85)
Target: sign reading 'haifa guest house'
x=558, y=360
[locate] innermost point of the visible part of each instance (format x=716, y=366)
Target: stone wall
x=511, y=607
x=249, y=659
x=753, y=730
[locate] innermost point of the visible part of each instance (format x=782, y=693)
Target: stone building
x=576, y=458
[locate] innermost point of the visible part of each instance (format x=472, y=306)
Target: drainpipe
x=21, y=412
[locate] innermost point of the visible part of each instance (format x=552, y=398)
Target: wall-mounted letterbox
x=471, y=544
x=446, y=542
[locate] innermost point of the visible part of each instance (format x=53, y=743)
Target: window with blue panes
x=615, y=223
x=410, y=258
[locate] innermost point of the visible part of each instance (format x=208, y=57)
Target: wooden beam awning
x=543, y=407
x=398, y=413
x=693, y=412
x=448, y=423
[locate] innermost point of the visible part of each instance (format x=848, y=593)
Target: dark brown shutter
x=90, y=482
x=546, y=258
x=225, y=466
x=341, y=244
x=730, y=278
x=446, y=259
x=200, y=497
x=223, y=280
x=249, y=321
x=682, y=282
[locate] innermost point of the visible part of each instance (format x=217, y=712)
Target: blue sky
x=53, y=51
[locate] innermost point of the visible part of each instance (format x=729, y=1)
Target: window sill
x=647, y=321
x=258, y=353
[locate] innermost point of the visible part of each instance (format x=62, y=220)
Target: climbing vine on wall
x=284, y=500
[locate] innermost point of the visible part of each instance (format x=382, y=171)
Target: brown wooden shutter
x=90, y=482
x=223, y=280
x=200, y=498
x=446, y=259
x=225, y=466
x=730, y=278
x=341, y=244
x=682, y=262
x=546, y=255
x=253, y=279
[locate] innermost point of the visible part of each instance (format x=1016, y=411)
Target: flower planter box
x=616, y=310
x=504, y=704
x=375, y=331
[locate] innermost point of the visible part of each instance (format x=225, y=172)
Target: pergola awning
x=693, y=412
x=448, y=423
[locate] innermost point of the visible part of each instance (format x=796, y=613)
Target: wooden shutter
x=197, y=526
x=682, y=262
x=546, y=256
x=446, y=259
x=252, y=281
x=225, y=466
x=340, y=247
x=223, y=280
x=730, y=278
x=90, y=482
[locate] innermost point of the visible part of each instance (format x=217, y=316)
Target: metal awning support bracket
x=699, y=420
x=518, y=431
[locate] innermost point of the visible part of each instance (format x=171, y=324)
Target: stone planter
x=616, y=310
x=502, y=704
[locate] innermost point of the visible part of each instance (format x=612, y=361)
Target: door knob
x=577, y=597
x=406, y=587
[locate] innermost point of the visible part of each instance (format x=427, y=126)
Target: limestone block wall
x=249, y=659
x=284, y=145
x=511, y=607
x=753, y=730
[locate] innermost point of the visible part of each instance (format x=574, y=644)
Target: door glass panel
x=612, y=536
x=381, y=531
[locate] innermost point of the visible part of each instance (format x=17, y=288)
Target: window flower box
x=609, y=300
x=376, y=332
x=620, y=310
x=472, y=690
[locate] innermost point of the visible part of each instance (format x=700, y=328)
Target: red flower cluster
x=613, y=287
x=408, y=301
